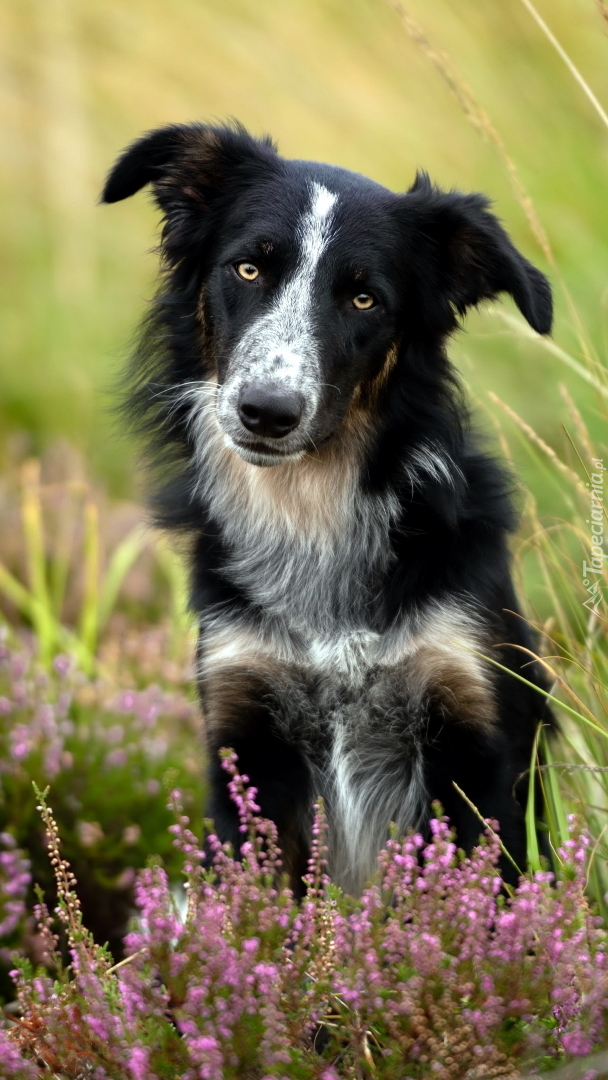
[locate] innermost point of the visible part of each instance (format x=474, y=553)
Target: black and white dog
x=349, y=551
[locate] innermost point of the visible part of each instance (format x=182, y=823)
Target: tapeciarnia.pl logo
x=593, y=571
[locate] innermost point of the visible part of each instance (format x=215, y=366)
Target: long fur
x=346, y=574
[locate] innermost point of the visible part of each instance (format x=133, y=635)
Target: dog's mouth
x=260, y=453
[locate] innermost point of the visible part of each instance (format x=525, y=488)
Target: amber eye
x=247, y=271
x=363, y=302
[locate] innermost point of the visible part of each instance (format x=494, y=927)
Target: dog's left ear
x=472, y=257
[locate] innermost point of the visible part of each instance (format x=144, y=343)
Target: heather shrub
x=433, y=971
x=15, y=879
x=105, y=745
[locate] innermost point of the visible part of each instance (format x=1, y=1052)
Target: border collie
x=349, y=558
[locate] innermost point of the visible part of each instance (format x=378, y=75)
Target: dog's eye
x=364, y=301
x=247, y=271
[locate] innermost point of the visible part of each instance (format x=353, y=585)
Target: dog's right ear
x=186, y=160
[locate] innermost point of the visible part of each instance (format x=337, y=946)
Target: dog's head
x=309, y=279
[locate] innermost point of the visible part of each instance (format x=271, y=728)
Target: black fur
x=425, y=257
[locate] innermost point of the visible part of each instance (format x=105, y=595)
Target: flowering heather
x=105, y=746
x=432, y=972
x=15, y=879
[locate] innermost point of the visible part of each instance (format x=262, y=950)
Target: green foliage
x=51, y=557
x=331, y=80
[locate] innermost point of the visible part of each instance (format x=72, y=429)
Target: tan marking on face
x=378, y=384
x=200, y=309
x=315, y=492
x=367, y=395
x=205, y=337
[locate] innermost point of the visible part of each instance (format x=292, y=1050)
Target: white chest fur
x=306, y=543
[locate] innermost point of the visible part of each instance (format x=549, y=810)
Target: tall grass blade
x=482, y=123
x=486, y=825
x=523, y=330
x=174, y=571
x=33, y=531
x=534, y=438
x=29, y=607
x=89, y=621
x=572, y=68
x=59, y=564
x=532, y=847
x=556, y=812
x=123, y=558
x=539, y=690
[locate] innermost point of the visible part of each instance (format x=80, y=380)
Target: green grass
x=47, y=566
x=330, y=80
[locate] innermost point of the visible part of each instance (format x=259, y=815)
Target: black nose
x=269, y=410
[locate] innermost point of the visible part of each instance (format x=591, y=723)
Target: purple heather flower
x=12, y=1065
x=62, y=664
x=15, y=879
x=248, y=977
x=139, y=1058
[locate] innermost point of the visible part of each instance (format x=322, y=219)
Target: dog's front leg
x=246, y=710
x=484, y=767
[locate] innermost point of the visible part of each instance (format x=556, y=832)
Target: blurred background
x=96, y=690
x=331, y=80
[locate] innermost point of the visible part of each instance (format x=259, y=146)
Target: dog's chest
x=309, y=549
x=354, y=700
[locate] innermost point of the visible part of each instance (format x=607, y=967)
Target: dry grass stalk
x=572, y=68
x=542, y=445
x=577, y=420
x=594, y=373
x=480, y=120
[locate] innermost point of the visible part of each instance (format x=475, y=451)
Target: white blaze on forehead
x=287, y=331
x=316, y=226
x=292, y=316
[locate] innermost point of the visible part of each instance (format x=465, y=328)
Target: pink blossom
x=248, y=980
